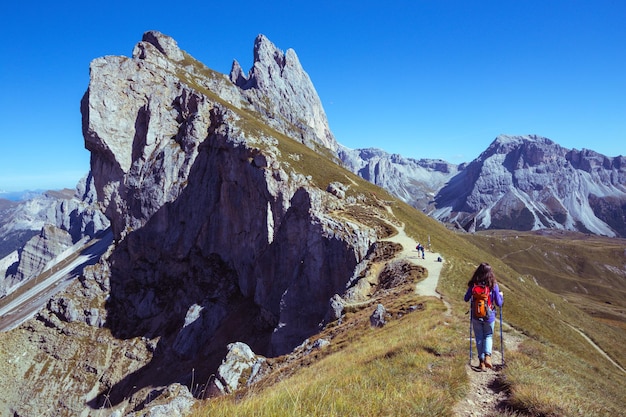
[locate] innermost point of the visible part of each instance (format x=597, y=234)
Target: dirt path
x=596, y=347
x=428, y=286
x=486, y=396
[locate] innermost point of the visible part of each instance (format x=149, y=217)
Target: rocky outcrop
x=240, y=367
x=377, y=318
x=188, y=190
x=530, y=183
x=80, y=216
x=220, y=235
x=174, y=401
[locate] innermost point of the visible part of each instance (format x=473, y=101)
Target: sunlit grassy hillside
x=587, y=270
x=416, y=364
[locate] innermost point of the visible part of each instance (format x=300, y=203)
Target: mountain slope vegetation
x=552, y=372
x=553, y=354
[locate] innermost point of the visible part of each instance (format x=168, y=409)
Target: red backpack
x=481, y=301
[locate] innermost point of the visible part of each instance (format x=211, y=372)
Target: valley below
x=28, y=299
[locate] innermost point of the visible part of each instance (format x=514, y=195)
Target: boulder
x=377, y=319
x=240, y=367
x=174, y=401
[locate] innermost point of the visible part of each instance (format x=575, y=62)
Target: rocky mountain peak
x=265, y=51
x=502, y=141
x=524, y=150
x=530, y=183
x=212, y=212
x=165, y=44
x=281, y=90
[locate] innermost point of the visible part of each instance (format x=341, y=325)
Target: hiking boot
x=488, y=361
x=482, y=367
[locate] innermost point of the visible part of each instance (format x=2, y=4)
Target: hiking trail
x=596, y=347
x=428, y=286
x=486, y=395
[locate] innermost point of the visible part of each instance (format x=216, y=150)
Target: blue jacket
x=496, y=299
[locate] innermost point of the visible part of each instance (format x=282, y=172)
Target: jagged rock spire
x=288, y=91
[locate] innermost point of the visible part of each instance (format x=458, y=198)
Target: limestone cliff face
x=205, y=206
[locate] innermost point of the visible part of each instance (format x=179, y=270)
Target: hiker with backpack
x=484, y=294
x=420, y=248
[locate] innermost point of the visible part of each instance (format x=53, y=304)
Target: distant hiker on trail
x=420, y=248
x=484, y=293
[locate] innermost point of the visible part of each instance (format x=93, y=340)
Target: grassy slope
x=407, y=367
x=586, y=269
x=418, y=359
x=555, y=370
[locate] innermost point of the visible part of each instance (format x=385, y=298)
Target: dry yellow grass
x=404, y=369
x=415, y=366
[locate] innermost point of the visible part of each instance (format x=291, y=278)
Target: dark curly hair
x=483, y=275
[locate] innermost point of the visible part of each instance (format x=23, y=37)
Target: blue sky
x=425, y=79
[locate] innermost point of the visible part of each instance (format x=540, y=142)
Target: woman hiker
x=485, y=294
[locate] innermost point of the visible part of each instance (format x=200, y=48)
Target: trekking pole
x=470, y=338
x=501, y=339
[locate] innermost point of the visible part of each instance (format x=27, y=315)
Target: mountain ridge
x=524, y=182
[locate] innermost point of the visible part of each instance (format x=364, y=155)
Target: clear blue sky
x=425, y=79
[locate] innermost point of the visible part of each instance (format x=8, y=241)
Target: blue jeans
x=483, y=332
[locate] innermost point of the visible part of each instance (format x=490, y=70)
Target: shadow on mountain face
x=187, y=309
x=170, y=285
x=221, y=263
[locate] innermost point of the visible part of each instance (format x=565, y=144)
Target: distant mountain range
x=518, y=182
x=35, y=230
x=20, y=195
